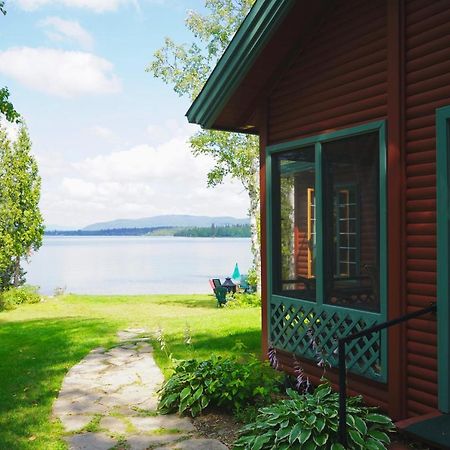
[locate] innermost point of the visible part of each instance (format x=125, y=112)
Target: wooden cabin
x=351, y=100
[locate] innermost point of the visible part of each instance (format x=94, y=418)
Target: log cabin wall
x=338, y=80
x=427, y=79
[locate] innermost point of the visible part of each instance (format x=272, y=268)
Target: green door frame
x=443, y=229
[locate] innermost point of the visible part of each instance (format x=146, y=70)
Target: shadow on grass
x=194, y=301
x=34, y=357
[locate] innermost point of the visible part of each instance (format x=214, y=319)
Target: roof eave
x=251, y=37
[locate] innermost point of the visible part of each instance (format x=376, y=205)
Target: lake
x=135, y=265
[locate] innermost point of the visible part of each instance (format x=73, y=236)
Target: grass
x=40, y=342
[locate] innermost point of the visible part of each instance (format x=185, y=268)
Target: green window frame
x=443, y=230
x=296, y=325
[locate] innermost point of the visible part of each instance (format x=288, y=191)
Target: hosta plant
x=218, y=381
x=310, y=421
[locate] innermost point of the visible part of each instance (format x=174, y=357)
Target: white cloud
x=105, y=133
x=137, y=182
x=169, y=129
x=61, y=30
x=98, y=6
x=58, y=72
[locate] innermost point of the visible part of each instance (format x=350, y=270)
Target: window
x=326, y=221
x=351, y=219
x=296, y=218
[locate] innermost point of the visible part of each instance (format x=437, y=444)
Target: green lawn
x=39, y=343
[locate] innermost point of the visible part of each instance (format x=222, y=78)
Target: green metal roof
x=255, y=31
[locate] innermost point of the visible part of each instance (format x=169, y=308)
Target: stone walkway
x=108, y=401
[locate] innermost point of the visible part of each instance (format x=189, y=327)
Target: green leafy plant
x=310, y=421
x=13, y=297
x=243, y=300
x=217, y=381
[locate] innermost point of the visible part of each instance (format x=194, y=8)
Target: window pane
x=351, y=216
x=294, y=224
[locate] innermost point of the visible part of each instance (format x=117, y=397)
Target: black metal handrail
x=342, y=362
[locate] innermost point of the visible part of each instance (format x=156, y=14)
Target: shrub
x=243, y=300
x=217, y=381
x=252, y=277
x=310, y=421
x=13, y=297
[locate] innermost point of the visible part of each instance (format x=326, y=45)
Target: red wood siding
x=337, y=81
x=427, y=65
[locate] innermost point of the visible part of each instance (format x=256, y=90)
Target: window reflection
x=351, y=215
x=297, y=223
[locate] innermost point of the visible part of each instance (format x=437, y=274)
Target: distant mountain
x=167, y=221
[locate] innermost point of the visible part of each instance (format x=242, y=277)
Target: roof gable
x=254, y=33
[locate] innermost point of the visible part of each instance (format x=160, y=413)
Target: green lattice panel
x=311, y=331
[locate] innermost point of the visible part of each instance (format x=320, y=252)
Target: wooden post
x=396, y=207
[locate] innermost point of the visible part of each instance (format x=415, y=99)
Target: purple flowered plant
x=302, y=383
x=319, y=352
x=273, y=359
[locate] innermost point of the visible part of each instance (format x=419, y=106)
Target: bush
x=217, y=381
x=242, y=300
x=310, y=421
x=13, y=297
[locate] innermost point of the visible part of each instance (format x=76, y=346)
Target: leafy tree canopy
x=6, y=107
x=186, y=68
x=21, y=222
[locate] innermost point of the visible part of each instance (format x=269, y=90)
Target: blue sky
x=110, y=139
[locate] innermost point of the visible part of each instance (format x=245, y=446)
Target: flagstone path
x=108, y=401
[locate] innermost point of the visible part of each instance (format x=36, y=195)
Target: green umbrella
x=236, y=274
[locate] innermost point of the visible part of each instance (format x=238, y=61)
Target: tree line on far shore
x=212, y=231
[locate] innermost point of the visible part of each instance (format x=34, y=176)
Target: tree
x=6, y=107
x=21, y=222
x=186, y=68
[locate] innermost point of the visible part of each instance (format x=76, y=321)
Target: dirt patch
x=218, y=425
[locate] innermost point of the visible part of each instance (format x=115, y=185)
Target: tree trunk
x=254, y=213
x=17, y=272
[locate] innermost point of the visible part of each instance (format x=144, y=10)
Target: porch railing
x=342, y=362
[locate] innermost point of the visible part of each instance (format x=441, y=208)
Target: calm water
x=135, y=265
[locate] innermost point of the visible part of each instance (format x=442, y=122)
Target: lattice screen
x=311, y=331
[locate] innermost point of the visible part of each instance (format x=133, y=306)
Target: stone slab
x=113, y=424
x=143, y=441
x=170, y=422
x=90, y=441
x=75, y=423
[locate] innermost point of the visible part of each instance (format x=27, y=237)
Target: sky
x=110, y=140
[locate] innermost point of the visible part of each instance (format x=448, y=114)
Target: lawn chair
x=245, y=286
x=221, y=295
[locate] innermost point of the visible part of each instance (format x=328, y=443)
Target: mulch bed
x=223, y=427
x=218, y=425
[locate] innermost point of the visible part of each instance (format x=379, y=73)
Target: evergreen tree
x=21, y=222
